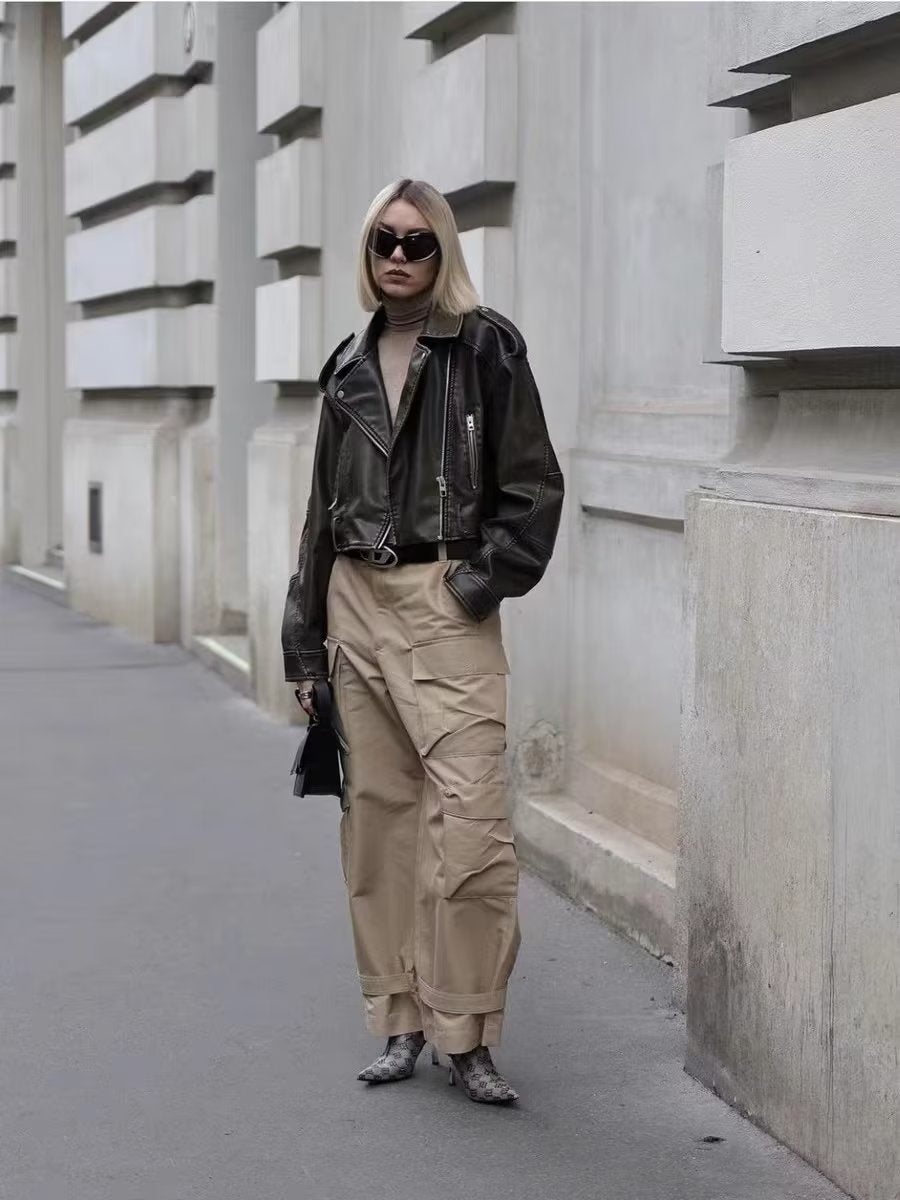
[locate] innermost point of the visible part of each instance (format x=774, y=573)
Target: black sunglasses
x=416, y=247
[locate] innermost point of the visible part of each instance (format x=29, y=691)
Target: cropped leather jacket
x=468, y=457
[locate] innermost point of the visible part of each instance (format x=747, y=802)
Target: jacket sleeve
x=304, y=627
x=518, y=534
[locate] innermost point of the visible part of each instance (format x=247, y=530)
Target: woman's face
x=395, y=276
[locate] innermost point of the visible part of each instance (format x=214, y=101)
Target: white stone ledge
x=628, y=881
x=77, y=13
x=289, y=330
x=811, y=240
x=9, y=292
x=473, y=144
x=491, y=258
x=290, y=55
x=158, y=347
x=169, y=245
x=7, y=60
x=433, y=19
x=289, y=198
x=785, y=36
x=653, y=488
x=147, y=41
x=166, y=140
x=7, y=133
x=9, y=210
x=9, y=373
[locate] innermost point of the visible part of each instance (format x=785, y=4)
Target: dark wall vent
x=95, y=517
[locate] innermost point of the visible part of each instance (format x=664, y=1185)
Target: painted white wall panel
x=165, y=246
x=9, y=214
x=290, y=64
x=811, y=246
x=147, y=41
x=165, y=140
x=289, y=329
x=7, y=134
x=7, y=61
x=431, y=20
x=764, y=30
x=157, y=347
x=9, y=301
x=9, y=375
x=490, y=257
x=474, y=89
x=289, y=198
x=77, y=13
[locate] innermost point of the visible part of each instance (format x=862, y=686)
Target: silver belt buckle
x=381, y=557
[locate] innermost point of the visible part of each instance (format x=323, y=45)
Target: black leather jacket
x=468, y=457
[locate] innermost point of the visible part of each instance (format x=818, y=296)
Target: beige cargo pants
x=426, y=846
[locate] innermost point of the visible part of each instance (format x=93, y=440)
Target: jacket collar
x=438, y=325
x=441, y=325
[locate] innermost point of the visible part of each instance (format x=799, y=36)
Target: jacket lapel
x=358, y=384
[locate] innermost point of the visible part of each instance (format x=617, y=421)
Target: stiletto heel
x=435, y=1059
x=452, y=1079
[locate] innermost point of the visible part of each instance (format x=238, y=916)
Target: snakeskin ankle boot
x=481, y=1080
x=398, y=1060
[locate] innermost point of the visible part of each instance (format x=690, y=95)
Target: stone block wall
x=140, y=343
x=790, y=841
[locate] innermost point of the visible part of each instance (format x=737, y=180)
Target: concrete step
x=47, y=581
x=645, y=808
x=628, y=881
x=228, y=654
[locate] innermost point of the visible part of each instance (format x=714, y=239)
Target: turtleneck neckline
x=406, y=314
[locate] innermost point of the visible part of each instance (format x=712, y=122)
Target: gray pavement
x=178, y=1009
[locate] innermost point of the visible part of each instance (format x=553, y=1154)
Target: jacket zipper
x=442, y=478
x=473, y=450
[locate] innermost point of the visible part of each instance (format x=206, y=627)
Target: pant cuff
x=389, y=1015
x=461, y=1002
x=386, y=985
x=456, y=1034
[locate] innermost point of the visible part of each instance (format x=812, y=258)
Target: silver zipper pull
x=442, y=485
x=470, y=422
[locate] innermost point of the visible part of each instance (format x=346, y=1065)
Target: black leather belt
x=420, y=552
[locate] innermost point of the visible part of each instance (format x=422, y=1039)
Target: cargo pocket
x=478, y=848
x=460, y=685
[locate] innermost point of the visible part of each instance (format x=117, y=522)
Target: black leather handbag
x=316, y=768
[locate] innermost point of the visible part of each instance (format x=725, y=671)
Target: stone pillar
x=241, y=404
x=10, y=501
x=289, y=349
x=32, y=320
x=140, y=265
x=791, y=712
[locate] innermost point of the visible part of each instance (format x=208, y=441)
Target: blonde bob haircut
x=454, y=292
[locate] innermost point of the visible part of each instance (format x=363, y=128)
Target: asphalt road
x=179, y=1016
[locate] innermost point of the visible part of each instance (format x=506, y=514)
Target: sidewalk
x=179, y=1016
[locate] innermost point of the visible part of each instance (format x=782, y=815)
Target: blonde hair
x=454, y=292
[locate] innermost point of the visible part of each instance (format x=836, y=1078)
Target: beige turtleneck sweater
x=405, y=320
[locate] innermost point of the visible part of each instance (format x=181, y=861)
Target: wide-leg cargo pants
x=426, y=844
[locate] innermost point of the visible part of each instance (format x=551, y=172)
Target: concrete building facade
x=690, y=211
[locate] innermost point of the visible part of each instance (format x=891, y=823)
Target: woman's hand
x=307, y=703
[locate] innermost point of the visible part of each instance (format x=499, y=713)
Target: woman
x=435, y=494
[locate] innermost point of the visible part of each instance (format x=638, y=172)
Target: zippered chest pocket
x=472, y=449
